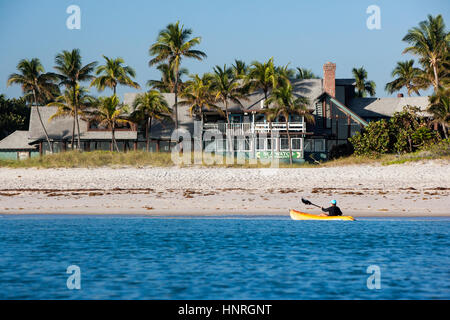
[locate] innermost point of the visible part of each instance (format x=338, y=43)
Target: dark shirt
x=333, y=211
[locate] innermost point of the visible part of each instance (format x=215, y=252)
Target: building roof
x=345, y=82
x=385, y=107
x=18, y=140
x=61, y=128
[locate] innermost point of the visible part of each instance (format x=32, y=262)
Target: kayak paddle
x=307, y=202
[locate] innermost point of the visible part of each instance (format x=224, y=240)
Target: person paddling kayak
x=332, y=211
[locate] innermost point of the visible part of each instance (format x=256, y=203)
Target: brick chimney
x=329, y=77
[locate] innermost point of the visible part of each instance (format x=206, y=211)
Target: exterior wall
x=13, y=155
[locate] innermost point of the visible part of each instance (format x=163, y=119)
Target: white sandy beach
x=414, y=189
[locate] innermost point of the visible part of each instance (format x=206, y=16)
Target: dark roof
x=345, y=82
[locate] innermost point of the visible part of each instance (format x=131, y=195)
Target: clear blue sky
x=304, y=33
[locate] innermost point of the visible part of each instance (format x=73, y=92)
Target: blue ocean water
x=137, y=257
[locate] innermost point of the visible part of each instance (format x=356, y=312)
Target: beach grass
x=95, y=159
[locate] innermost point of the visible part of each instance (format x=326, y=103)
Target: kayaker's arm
x=326, y=209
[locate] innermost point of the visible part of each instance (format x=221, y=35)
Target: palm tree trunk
x=176, y=97
x=114, y=138
x=42, y=123
x=271, y=141
x=149, y=130
x=436, y=78
x=73, y=132
x=444, y=128
x=229, y=145
x=146, y=134
x=114, y=89
x=289, y=140
x=75, y=103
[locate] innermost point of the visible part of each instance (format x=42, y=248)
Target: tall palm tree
x=227, y=88
x=286, y=103
x=114, y=72
x=303, y=73
x=440, y=108
x=66, y=106
x=36, y=84
x=198, y=94
x=261, y=76
x=167, y=82
x=111, y=113
x=407, y=76
x=430, y=41
x=362, y=85
x=71, y=72
x=172, y=45
x=148, y=106
x=240, y=69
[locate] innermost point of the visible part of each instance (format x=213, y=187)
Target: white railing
x=243, y=128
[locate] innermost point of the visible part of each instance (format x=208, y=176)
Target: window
x=309, y=145
x=260, y=144
x=242, y=144
x=319, y=145
x=284, y=145
x=296, y=143
x=269, y=144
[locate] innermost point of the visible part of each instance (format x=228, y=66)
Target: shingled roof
x=61, y=128
x=385, y=107
x=18, y=140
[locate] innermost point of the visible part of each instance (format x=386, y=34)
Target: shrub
x=405, y=132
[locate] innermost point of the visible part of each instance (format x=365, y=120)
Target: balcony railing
x=244, y=128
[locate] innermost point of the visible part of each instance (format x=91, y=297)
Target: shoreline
x=228, y=215
x=407, y=190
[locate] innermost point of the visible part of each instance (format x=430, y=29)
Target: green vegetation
x=171, y=46
x=363, y=86
x=38, y=87
x=113, y=73
x=148, y=106
x=14, y=115
x=405, y=132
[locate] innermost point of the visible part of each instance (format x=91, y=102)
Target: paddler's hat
x=333, y=201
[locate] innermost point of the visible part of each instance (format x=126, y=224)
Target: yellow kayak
x=297, y=215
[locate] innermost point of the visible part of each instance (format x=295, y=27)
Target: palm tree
x=172, y=45
x=71, y=72
x=362, y=85
x=407, y=76
x=440, y=109
x=430, y=41
x=167, y=82
x=36, y=84
x=227, y=88
x=113, y=73
x=148, y=106
x=283, y=74
x=303, y=73
x=66, y=106
x=240, y=69
x=262, y=76
x=198, y=94
x=286, y=103
x=111, y=113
